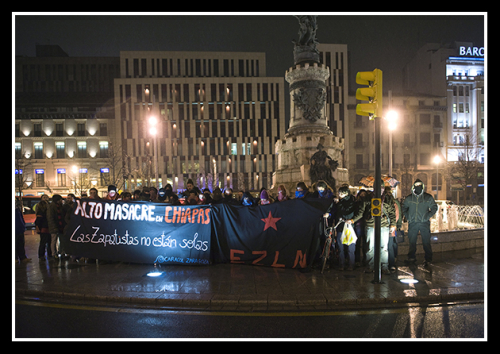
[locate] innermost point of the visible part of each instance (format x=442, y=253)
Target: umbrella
x=367, y=181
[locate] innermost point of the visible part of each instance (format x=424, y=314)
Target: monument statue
x=322, y=167
x=305, y=48
x=309, y=151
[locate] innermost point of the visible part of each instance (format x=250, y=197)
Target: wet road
x=54, y=320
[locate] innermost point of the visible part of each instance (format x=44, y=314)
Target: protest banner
x=139, y=232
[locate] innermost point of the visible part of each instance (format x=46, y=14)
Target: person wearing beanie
x=418, y=208
x=264, y=198
x=112, y=194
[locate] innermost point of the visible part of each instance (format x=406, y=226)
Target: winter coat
x=20, y=224
x=41, y=218
x=56, y=216
x=419, y=208
x=388, y=217
x=347, y=209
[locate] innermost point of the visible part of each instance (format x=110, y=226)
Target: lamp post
x=437, y=160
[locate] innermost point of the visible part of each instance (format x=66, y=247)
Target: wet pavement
x=453, y=276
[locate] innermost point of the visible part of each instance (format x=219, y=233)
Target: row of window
x=201, y=92
x=60, y=150
x=81, y=130
x=79, y=176
x=192, y=67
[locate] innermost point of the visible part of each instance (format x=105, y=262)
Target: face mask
x=418, y=190
x=299, y=194
x=246, y=202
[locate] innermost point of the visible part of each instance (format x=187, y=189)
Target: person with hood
x=322, y=190
x=247, y=199
x=302, y=191
x=282, y=196
x=418, y=208
x=264, y=198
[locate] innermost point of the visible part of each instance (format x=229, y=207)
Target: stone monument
x=309, y=151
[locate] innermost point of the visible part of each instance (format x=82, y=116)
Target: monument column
x=308, y=133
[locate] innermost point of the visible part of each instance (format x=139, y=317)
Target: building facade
x=456, y=71
x=417, y=138
x=217, y=117
x=64, y=116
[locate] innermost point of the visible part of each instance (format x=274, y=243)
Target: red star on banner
x=270, y=222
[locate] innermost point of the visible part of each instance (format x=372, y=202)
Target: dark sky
x=386, y=42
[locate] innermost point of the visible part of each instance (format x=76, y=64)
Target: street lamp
x=391, y=118
x=437, y=160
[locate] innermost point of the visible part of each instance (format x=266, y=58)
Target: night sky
x=386, y=42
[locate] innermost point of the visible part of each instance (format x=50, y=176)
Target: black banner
x=140, y=232
x=283, y=234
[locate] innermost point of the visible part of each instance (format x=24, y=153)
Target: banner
x=284, y=234
x=139, y=232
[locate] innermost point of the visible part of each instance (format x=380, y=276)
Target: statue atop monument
x=305, y=48
x=322, y=167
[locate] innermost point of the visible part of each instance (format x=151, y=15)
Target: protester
x=20, y=227
x=42, y=228
x=93, y=193
x=189, y=187
x=301, y=191
x=170, y=196
x=112, y=194
x=418, y=208
x=282, y=196
x=360, y=227
x=208, y=196
x=56, y=220
x=264, y=198
x=228, y=197
x=247, y=199
x=136, y=195
x=392, y=246
x=322, y=190
x=347, y=210
x=192, y=198
x=153, y=194
x=387, y=224
x=126, y=196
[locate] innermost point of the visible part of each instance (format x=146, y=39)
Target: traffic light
x=376, y=207
x=372, y=93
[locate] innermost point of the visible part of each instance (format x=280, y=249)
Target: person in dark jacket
x=347, y=211
x=56, y=220
x=42, y=228
x=418, y=208
x=20, y=227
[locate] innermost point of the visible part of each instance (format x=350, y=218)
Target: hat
x=111, y=188
x=162, y=194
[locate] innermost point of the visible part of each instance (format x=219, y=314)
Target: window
x=234, y=149
x=61, y=177
x=60, y=151
x=103, y=149
x=40, y=178
x=82, y=149
x=81, y=129
x=38, y=150
x=37, y=128
x=18, y=150
x=59, y=129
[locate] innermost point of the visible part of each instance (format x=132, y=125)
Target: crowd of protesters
x=345, y=208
